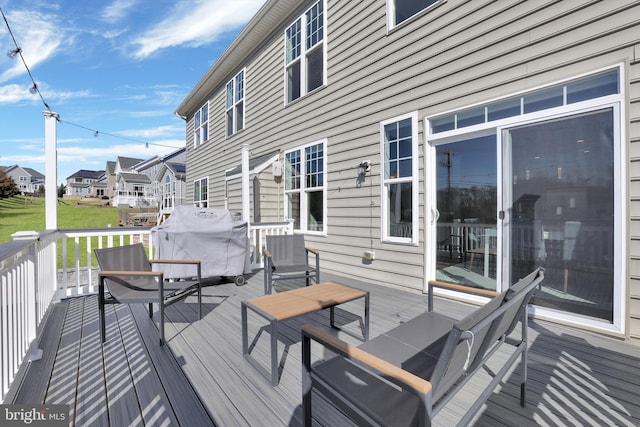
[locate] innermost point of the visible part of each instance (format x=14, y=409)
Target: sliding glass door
x=559, y=199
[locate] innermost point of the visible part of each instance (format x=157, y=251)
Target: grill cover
x=211, y=235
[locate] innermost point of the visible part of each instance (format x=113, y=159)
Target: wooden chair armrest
x=175, y=261
x=334, y=343
x=312, y=250
x=128, y=273
x=461, y=288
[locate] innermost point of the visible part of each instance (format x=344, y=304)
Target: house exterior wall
x=634, y=194
x=265, y=194
x=455, y=55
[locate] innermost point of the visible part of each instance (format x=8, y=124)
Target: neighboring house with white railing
x=167, y=174
x=27, y=180
x=461, y=141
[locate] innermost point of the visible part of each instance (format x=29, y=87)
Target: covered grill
x=211, y=235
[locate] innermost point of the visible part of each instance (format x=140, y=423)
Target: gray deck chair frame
x=408, y=374
x=287, y=257
x=126, y=277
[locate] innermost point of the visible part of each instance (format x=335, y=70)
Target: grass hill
x=21, y=213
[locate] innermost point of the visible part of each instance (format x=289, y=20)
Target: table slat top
x=285, y=305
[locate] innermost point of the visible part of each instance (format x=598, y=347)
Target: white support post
x=246, y=204
x=51, y=169
x=246, y=207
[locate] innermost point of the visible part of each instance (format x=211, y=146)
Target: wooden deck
x=200, y=377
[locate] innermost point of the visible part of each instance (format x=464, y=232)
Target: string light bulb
x=34, y=89
x=13, y=52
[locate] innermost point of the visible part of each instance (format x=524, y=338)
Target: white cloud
x=199, y=23
x=117, y=10
x=155, y=132
x=14, y=94
x=38, y=37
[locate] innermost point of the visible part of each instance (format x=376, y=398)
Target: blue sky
x=119, y=67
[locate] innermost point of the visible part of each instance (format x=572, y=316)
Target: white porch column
x=51, y=169
x=246, y=204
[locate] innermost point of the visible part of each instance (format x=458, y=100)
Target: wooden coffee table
x=288, y=304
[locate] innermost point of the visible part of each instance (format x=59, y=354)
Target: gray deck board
x=91, y=386
x=200, y=377
x=35, y=388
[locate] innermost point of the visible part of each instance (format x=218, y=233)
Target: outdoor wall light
x=364, y=167
x=13, y=52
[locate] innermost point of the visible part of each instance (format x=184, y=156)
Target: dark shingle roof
x=84, y=173
x=134, y=177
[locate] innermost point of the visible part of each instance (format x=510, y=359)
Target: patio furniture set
x=404, y=376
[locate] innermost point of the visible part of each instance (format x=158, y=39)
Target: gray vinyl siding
x=456, y=55
x=634, y=195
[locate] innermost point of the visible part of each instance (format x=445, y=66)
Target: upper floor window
x=399, y=11
x=305, y=187
x=235, y=104
x=399, y=158
x=201, y=125
x=305, y=67
x=201, y=192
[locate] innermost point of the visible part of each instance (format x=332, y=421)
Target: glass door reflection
x=467, y=249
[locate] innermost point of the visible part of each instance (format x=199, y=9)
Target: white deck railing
x=38, y=269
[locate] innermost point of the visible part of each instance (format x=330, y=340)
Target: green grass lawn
x=28, y=214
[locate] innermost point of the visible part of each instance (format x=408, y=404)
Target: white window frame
x=201, y=202
x=391, y=13
x=303, y=190
x=385, y=236
x=305, y=52
x=201, y=127
x=235, y=96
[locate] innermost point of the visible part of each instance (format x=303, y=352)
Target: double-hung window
x=305, y=187
x=235, y=104
x=201, y=125
x=201, y=192
x=399, y=11
x=399, y=159
x=305, y=65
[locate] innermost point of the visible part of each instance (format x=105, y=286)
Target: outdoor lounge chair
x=407, y=375
x=286, y=257
x=126, y=277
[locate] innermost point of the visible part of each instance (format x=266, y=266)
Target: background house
x=497, y=136
x=110, y=176
x=28, y=180
x=85, y=183
x=171, y=182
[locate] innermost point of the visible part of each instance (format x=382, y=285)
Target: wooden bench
x=408, y=374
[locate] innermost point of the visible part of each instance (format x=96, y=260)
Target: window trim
x=199, y=203
x=303, y=190
x=304, y=53
x=391, y=9
x=235, y=102
x=199, y=131
x=414, y=180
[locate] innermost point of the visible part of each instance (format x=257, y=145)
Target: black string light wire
x=97, y=133
x=35, y=89
x=18, y=51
